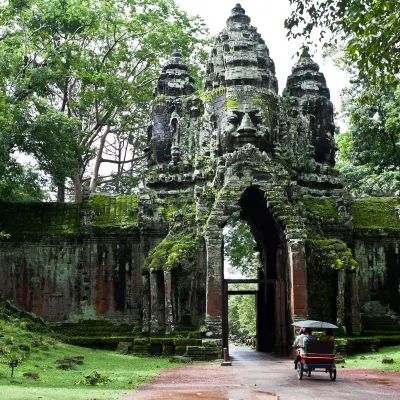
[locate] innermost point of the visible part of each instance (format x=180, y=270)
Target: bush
x=96, y=379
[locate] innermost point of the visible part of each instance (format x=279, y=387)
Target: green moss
x=333, y=253
x=209, y=96
x=321, y=207
x=231, y=102
x=100, y=211
x=181, y=245
x=376, y=213
x=176, y=249
x=113, y=211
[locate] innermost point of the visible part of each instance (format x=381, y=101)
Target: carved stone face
x=241, y=125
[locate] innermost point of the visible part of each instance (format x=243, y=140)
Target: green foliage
x=95, y=378
x=71, y=71
x=242, y=312
x=21, y=184
x=368, y=31
x=376, y=213
x=239, y=248
x=369, y=153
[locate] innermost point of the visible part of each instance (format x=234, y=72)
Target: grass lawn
x=38, y=353
x=374, y=360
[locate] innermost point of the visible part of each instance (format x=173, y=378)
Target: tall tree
x=369, y=152
x=367, y=30
x=239, y=248
x=84, y=70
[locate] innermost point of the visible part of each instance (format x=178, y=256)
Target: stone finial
x=238, y=14
x=238, y=9
x=175, y=79
x=305, y=62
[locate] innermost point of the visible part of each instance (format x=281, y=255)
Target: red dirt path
x=259, y=376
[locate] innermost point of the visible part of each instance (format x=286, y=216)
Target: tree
x=369, y=152
x=242, y=312
x=239, y=248
x=83, y=71
x=367, y=30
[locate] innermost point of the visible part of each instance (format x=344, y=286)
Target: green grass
x=125, y=372
x=374, y=360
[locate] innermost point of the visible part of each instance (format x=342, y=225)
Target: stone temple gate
x=149, y=266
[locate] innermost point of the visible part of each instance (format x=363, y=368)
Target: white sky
x=268, y=16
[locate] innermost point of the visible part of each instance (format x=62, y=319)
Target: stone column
x=169, y=315
x=340, y=297
x=297, y=263
x=355, y=305
x=157, y=316
x=146, y=303
x=214, y=244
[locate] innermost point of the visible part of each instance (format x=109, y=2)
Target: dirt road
x=259, y=376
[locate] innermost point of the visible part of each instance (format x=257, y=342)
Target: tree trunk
x=61, y=192
x=78, y=185
x=94, y=181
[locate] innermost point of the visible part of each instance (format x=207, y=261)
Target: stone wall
x=68, y=279
x=108, y=258
x=67, y=262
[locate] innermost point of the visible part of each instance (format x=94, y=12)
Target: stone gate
x=150, y=265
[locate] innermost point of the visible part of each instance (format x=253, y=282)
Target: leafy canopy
x=369, y=152
x=239, y=248
x=71, y=69
x=368, y=30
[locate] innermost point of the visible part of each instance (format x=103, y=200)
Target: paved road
x=259, y=376
x=270, y=374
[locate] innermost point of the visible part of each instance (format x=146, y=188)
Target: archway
x=271, y=308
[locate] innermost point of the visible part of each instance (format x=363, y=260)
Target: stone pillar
x=355, y=305
x=146, y=303
x=157, y=290
x=214, y=244
x=169, y=315
x=297, y=263
x=340, y=297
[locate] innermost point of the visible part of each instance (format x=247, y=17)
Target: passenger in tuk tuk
x=309, y=336
x=328, y=335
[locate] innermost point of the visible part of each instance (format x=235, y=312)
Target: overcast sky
x=268, y=16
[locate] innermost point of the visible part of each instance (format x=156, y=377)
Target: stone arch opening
x=272, y=275
x=269, y=239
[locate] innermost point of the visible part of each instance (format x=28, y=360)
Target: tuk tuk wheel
x=332, y=374
x=300, y=370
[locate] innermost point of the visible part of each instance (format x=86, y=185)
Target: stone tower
x=261, y=155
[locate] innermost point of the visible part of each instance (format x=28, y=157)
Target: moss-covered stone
x=180, y=247
x=113, y=211
x=333, y=253
x=103, y=212
x=324, y=208
x=376, y=213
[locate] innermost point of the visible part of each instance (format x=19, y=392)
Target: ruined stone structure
x=154, y=260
